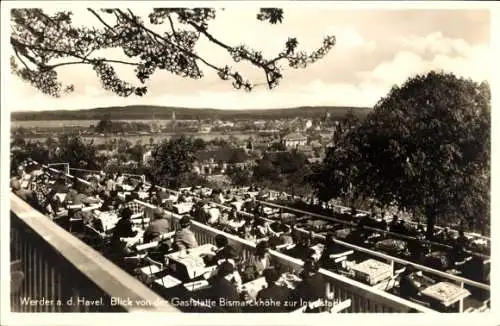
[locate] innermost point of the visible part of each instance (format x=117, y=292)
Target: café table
x=342, y=234
x=183, y=208
x=253, y=287
x=168, y=281
x=143, y=195
x=108, y=219
x=192, y=259
x=437, y=260
x=131, y=241
x=127, y=187
x=372, y=271
x=391, y=246
x=446, y=293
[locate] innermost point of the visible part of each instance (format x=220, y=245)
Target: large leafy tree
x=172, y=161
x=426, y=148
x=165, y=40
x=75, y=151
x=342, y=173
x=239, y=176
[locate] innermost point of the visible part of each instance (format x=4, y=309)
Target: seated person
x=395, y=225
x=111, y=202
x=380, y=223
x=227, y=255
x=458, y=253
x=412, y=282
x=273, y=292
x=312, y=287
x=201, y=213
x=223, y=218
x=408, y=287
x=153, y=189
x=160, y=225
x=404, y=229
x=71, y=196
x=233, y=214
x=213, y=215
x=302, y=249
x=444, y=236
x=184, y=238
x=258, y=262
x=420, y=228
x=158, y=253
x=418, y=248
x=250, y=205
x=261, y=228
x=221, y=244
x=248, y=233
x=331, y=253
x=130, y=202
x=60, y=186
x=123, y=228
x=236, y=222
x=223, y=289
x=286, y=236
x=358, y=235
x=85, y=197
x=24, y=194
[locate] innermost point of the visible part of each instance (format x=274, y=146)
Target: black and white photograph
x=279, y=158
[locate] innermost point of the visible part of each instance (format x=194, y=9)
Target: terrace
x=362, y=297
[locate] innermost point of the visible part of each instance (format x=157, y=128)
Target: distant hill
x=144, y=112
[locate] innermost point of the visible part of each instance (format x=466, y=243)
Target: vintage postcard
x=248, y=162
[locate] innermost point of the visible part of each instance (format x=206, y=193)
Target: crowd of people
x=250, y=224
x=42, y=189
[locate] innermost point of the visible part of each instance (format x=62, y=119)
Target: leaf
x=273, y=15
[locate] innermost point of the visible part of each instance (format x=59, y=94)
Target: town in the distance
x=181, y=202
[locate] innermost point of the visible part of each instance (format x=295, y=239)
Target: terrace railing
x=206, y=234
x=364, y=298
x=63, y=274
x=333, y=219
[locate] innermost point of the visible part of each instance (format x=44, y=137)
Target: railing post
x=461, y=302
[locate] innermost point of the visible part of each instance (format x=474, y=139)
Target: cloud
x=348, y=38
x=436, y=43
x=472, y=62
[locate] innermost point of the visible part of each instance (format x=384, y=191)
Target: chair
x=74, y=216
x=390, y=283
x=75, y=221
x=148, y=273
x=97, y=239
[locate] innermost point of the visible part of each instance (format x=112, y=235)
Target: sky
x=375, y=50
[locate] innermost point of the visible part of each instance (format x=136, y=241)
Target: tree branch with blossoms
x=42, y=43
